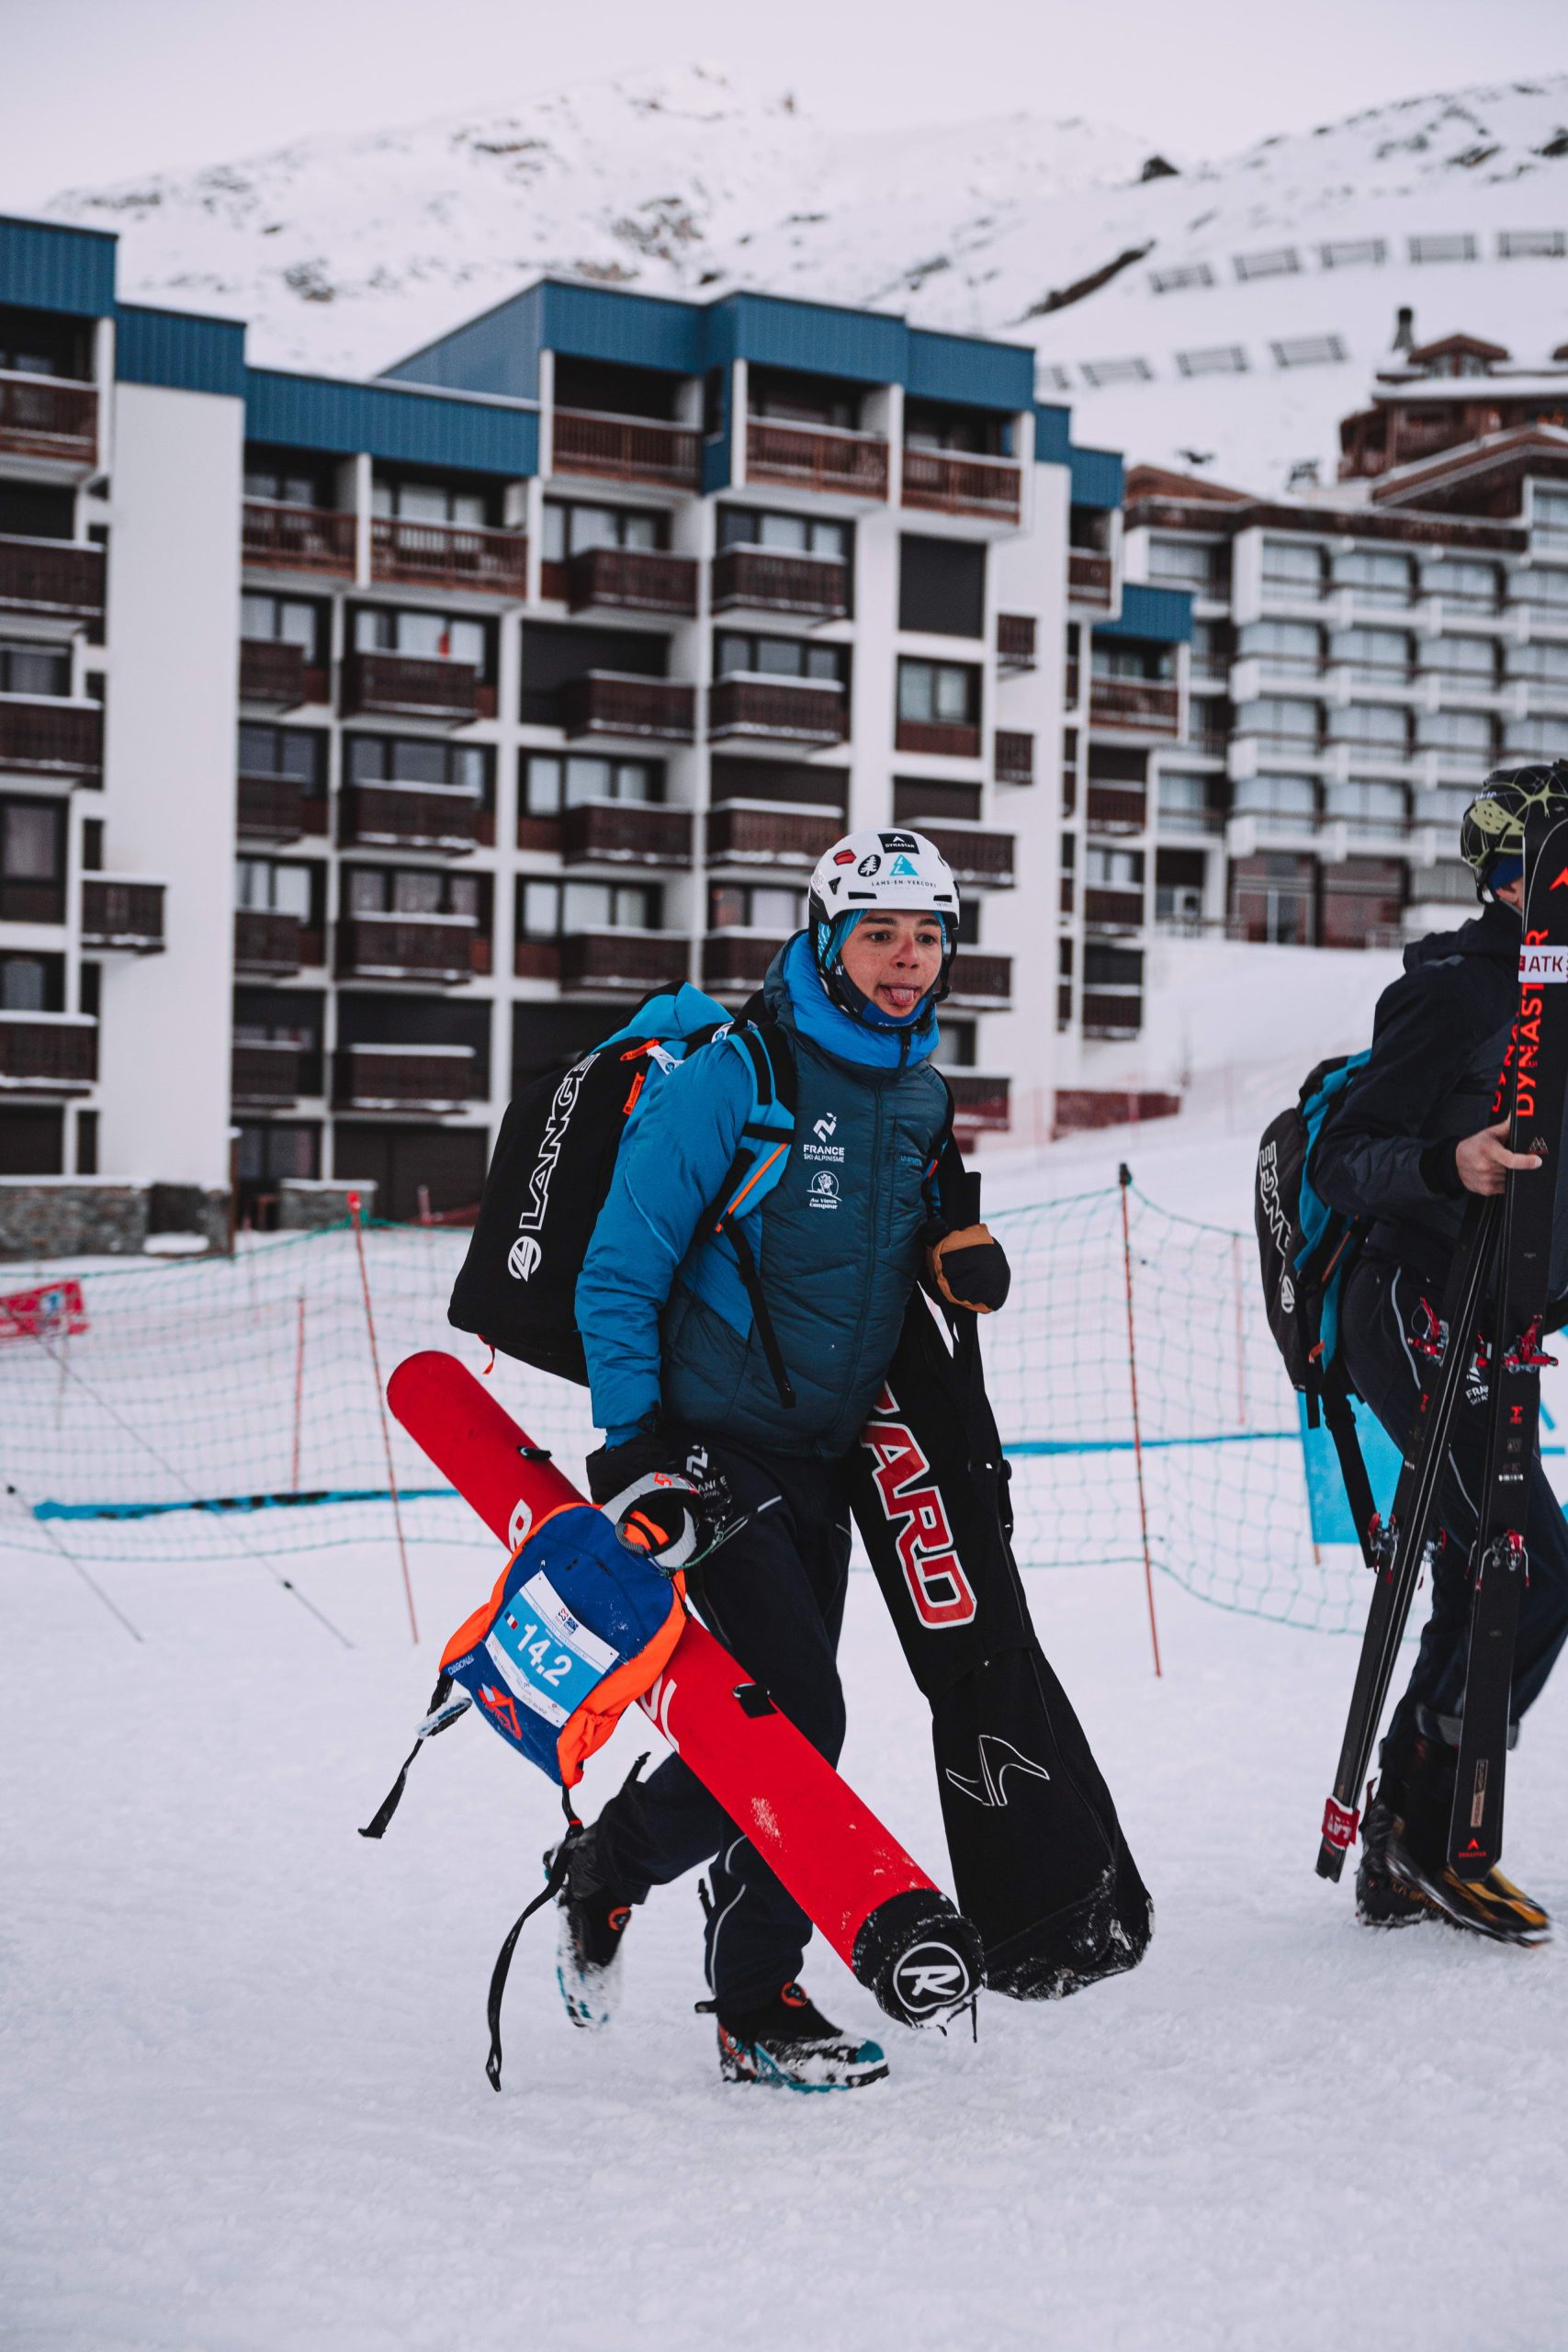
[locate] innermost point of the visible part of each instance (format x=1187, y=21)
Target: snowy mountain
x=1156, y=295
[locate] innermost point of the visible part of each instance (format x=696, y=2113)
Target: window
x=1278, y=261
x=1112, y=869
x=1544, y=587
x=1211, y=656
x=34, y=669
x=1292, y=568
x=792, y=398
x=281, y=620
x=298, y=752
x=1548, y=516
x=1547, y=664
x=1112, y=967
x=427, y=636
x=266, y=1153
x=429, y=502
x=1101, y=372
x=743, y=527
x=29, y=984
x=1172, y=281
x=956, y=1048
x=413, y=759
x=1217, y=359
x=1130, y=658
x=745, y=905
x=1280, y=722
x=411, y=890
x=944, y=690
x=1291, y=797
x=1375, y=577
x=1370, y=652
x=32, y=861
x=1542, y=244
x=1283, y=645
x=1379, y=725
x=1456, y=248
x=1462, y=582
x=1472, y=658
x=778, y=656
x=572, y=529
x=552, y=783
x=284, y=479
x=548, y=910
x=41, y=342
x=1308, y=351
x=1535, y=737
x=929, y=424
x=941, y=586
x=30, y=510
x=1197, y=564
x=1271, y=898
x=1352, y=252
x=1183, y=802
x=1445, y=806
x=267, y=886
x=1366, y=804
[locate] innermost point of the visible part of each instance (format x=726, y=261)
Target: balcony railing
x=46, y=738
x=1107, y=1015
x=975, y=856
x=265, y=940
x=626, y=833
x=409, y=816
x=278, y=808
x=1134, y=706
x=791, y=710
x=625, y=448
x=614, y=702
x=738, y=959
x=52, y=576
x=448, y=555
x=47, y=1049
x=623, y=959
x=979, y=1104
x=1015, y=757
x=409, y=947
x=982, y=979
x=122, y=913
x=943, y=482
x=278, y=674
x=739, y=834
x=277, y=537
x=769, y=580
x=953, y=739
x=1113, y=910
x=816, y=457
x=410, y=685
x=25, y=900
x=406, y=1078
x=45, y=417
x=1088, y=579
x=266, y=1070
x=632, y=579
x=1116, y=808
x=1015, y=641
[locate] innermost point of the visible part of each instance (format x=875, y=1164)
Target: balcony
x=317, y=539
x=1113, y=910
x=638, y=960
x=1014, y=757
x=626, y=833
x=632, y=579
x=265, y=940
x=979, y=1104
x=57, y=1051
x=278, y=674
x=1090, y=580
x=46, y=738
x=943, y=483
x=52, y=576
x=51, y=420
x=625, y=448
x=816, y=458
x=278, y=808
x=756, y=833
x=409, y=816
x=616, y=702
x=444, y=948
x=1107, y=1015
x=122, y=913
x=406, y=1078
x=23, y=899
x=764, y=579
x=783, y=710
x=738, y=959
x=949, y=738
x=1117, y=808
x=1015, y=641
x=454, y=556
x=267, y=1071
x=982, y=981
x=413, y=685
x=1134, y=706
x=975, y=856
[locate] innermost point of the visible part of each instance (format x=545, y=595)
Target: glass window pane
x=790, y=532
x=830, y=538
x=591, y=526
x=366, y=759
x=28, y=844
x=381, y=500
x=726, y=907
x=367, y=891
x=256, y=615
x=415, y=893
x=467, y=510
x=297, y=754
x=414, y=761
x=633, y=780
x=541, y=909
x=423, y=635
x=588, y=906
x=1470, y=657
x=422, y=503
x=462, y=895
x=22, y=983
x=586, y=779
x=543, y=786
x=640, y=530
x=778, y=656
x=291, y=890
x=775, y=909
x=372, y=631
x=734, y=654
x=297, y=624
x=916, y=690
x=554, y=541
x=952, y=693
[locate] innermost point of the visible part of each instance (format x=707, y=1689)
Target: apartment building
x=367, y=747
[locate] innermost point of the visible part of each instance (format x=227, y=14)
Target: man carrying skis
x=1419, y=1129
x=728, y=1393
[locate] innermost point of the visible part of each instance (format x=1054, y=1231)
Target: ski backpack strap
x=759, y=1162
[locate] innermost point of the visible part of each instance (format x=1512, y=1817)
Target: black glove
x=668, y=1500
x=969, y=1268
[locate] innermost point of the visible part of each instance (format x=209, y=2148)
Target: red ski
x=901, y=1936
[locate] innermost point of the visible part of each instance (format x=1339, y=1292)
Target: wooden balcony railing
x=792, y=710
x=614, y=702
x=946, y=483
x=1089, y=579
x=122, y=913
x=409, y=816
x=953, y=739
x=767, y=580
x=626, y=833
x=23, y=899
x=1015, y=641
x=816, y=457
x=982, y=979
x=52, y=576
x=979, y=1103
x=406, y=1078
x=1107, y=1015
x=267, y=942
x=277, y=537
x=1070, y=681
x=1015, y=756
x=632, y=579
x=448, y=555
x=44, y=416
x=625, y=448
x=278, y=674
x=46, y=738
x=1116, y=808
x=975, y=856
x=1113, y=910
x=278, y=808
x=266, y=1070
x=408, y=947
x=623, y=959
x=412, y=686
x=760, y=835
x=738, y=959
x=1134, y=706
x=47, y=1049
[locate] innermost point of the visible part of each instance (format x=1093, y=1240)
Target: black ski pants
x=774, y=1596
x=1381, y=1313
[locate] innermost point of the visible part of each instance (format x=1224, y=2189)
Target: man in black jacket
x=1419, y=1129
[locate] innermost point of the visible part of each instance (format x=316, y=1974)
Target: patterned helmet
x=1511, y=811
x=872, y=871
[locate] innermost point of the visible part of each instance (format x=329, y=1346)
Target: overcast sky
x=95, y=90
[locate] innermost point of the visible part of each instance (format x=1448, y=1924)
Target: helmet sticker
x=868, y=866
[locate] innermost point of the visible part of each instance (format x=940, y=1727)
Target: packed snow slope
x=348, y=252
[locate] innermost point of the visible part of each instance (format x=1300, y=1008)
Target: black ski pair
x=1493, y=1309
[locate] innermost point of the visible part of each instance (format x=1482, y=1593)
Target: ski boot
x=1405, y=1857
x=1382, y=1899
x=790, y=2045
x=591, y=1921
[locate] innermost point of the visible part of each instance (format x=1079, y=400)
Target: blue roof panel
x=1157, y=616
x=963, y=369
x=180, y=350
x=44, y=266
x=1097, y=477
x=409, y=427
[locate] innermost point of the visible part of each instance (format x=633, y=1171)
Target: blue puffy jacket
x=666, y=1322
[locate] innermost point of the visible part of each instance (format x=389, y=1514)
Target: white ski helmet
x=872, y=871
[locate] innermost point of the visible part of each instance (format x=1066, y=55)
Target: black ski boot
x=1405, y=1854
x=590, y=1922
x=1382, y=1899
x=790, y=2045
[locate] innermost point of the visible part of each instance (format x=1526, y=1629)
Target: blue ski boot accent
x=790, y=2045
